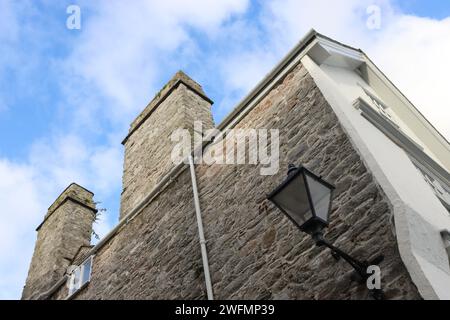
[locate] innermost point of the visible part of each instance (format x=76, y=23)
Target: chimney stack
x=66, y=227
x=148, y=146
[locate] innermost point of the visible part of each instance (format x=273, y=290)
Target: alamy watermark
x=232, y=147
x=374, y=280
x=73, y=21
x=374, y=17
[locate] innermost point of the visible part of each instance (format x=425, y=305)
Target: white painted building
x=407, y=155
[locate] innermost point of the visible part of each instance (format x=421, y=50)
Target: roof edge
x=299, y=48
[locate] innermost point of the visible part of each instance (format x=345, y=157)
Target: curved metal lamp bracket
x=360, y=267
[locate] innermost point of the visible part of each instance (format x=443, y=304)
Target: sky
x=67, y=96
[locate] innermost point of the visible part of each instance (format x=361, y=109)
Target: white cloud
x=27, y=190
x=255, y=62
x=411, y=50
x=21, y=211
x=282, y=23
x=65, y=159
x=106, y=168
x=121, y=50
x=413, y=53
x=289, y=20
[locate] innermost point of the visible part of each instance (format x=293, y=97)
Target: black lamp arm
x=359, y=266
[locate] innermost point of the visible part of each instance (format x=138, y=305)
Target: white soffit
x=327, y=52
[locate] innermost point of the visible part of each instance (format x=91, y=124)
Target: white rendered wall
x=419, y=215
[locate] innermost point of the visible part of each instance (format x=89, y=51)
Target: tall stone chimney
x=148, y=146
x=66, y=227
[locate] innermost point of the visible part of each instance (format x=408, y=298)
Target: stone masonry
x=148, y=144
x=266, y=256
x=67, y=226
x=255, y=252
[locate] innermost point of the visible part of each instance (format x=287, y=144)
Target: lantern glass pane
x=293, y=199
x=320, y=196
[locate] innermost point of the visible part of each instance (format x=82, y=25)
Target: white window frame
x=440, y=181
x=76, y=284
x=446, y=238
x=381, y=107
x=438, y=188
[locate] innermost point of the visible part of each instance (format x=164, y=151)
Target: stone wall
x=255, y=252
x=154, y=256
x=66, y=227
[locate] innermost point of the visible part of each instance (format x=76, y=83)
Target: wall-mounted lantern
x=306, y=199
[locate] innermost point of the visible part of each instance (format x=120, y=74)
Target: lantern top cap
x=294, y=172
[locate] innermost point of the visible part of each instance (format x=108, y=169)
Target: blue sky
x=67, y=97
x=436, y=9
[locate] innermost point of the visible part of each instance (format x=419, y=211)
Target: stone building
x=337, y=115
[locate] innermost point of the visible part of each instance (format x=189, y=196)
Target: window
x=446, y=238
x=86, y=271
x=380, y=106
x=438, y=188
x=80, y=276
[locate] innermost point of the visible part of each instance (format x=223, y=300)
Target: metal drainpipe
x=201, y=235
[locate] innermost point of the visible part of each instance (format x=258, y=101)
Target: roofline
x=78, y=251
x=291, y=55
x=47, y=216
x=159, y=101
x=307, y=39
x=78, y=185
x=68, y=198
x=72, y=184
x=301, y=45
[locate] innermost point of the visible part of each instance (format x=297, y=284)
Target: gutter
x=201, y=235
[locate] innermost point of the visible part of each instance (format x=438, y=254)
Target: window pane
x=77, y=275
x=86, y=276
x=74, y=284
x=293, y=199
x=320, y=195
